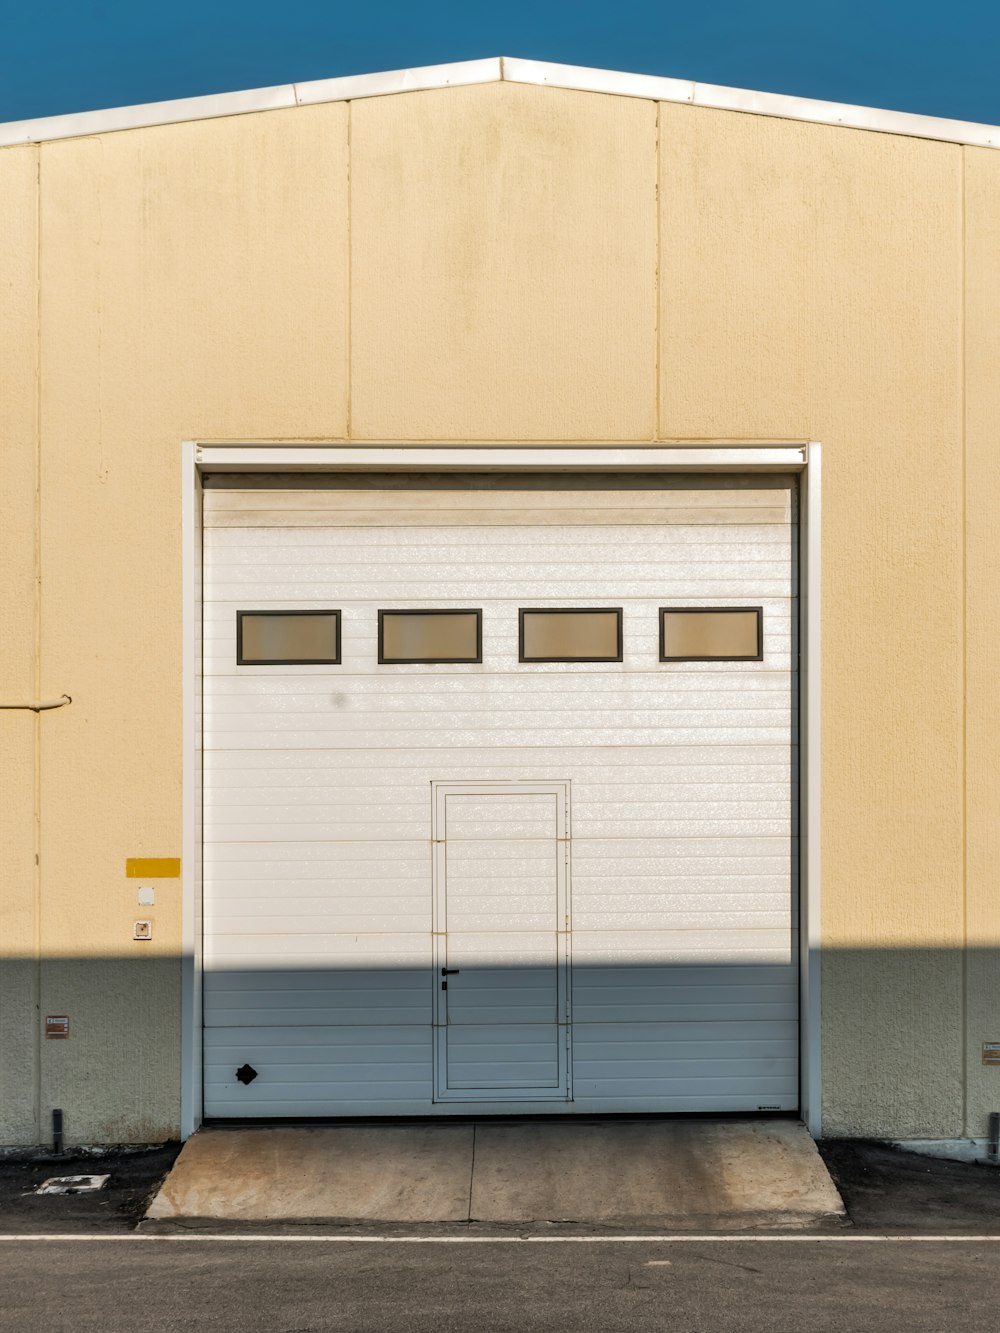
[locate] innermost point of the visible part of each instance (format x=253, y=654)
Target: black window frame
x=431, y=611
x=617, y=611
x=758, y=656
x=288, y=661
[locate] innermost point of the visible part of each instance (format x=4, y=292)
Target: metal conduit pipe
x=42, y=705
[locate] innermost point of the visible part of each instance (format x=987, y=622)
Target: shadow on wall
x=646, y=1036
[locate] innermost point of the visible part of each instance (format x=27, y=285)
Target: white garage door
x=499, y=782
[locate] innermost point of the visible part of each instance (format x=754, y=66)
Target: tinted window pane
x=429, y=636
x=272, y=637
x=571, y=636
x=695, y=633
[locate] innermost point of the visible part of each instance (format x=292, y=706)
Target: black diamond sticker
x=246, y=1073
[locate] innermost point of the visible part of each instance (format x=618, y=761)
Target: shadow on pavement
x=884, y=1188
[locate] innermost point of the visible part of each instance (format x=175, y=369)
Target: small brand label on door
x=56, y=1026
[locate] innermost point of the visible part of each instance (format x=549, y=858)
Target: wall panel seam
x=349, y=292
x=657, y=278
x=963, y=385
x=36, y=1053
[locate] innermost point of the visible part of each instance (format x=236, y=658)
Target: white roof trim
x=400, y=81
x=745, y=99
x=494, y=70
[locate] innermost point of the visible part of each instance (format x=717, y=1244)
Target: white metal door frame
x=563, y=1089
x=680, y=456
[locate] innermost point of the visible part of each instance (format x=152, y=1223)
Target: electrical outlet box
x=143, y=930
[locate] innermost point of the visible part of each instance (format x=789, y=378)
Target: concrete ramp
x=676, y=1174
x=349, y=1173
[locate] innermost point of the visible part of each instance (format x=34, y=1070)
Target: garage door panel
x=483, y=950
x=616, y=947
x=502, y=885
x=317, y=997
x=518, y=1055
x=678, y=814
x=707, y=1092
x=304, y=914
x=658, y=883
x=677, y=767
x=498, y=815
x=420, y=563
x=318, y=950
x=551, y=496
x=640, y=806
x=715, y=516
x=757, y=1039
x=254, y=712
x=694, y=912
x=503, y=995
x=683, y=1103
x=376, y=561
x=676, y=994
x=336, y=888
x=554, y=499
x=324, y=796
x=281, y=887
x=318, y=1071
x=640, y=626
x=689, y=583
x=634, y=865
x=653, y=694
x=755, y=1057
x=684, y=816
x=503, y=976
x=646, y=1003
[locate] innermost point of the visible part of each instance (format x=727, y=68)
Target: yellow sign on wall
x=153, y=867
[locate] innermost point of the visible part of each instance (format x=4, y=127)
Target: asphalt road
x=118, y=1284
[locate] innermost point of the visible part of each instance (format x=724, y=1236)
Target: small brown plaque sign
x=56, y=1026
x=991, y=1052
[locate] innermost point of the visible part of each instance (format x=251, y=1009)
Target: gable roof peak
x=498, y=69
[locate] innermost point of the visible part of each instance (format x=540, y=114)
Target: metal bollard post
x=993, y=1146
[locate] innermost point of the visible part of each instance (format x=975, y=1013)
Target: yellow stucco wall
x=503, y=247
x=982, y=778
x=812, y=288
x=193, y=283
x=18, y=730
x=502, y=262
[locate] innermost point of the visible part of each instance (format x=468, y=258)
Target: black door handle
x=450, y=971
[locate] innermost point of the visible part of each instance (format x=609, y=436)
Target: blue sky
x=940, y=57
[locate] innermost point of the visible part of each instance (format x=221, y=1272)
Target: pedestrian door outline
x=501, y=941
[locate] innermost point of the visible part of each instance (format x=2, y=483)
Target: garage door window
x=287, y=638
x=429, y=637
x=571, y=634
x=711, y=634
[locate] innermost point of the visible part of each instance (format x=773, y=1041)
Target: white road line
x=711, y=1238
